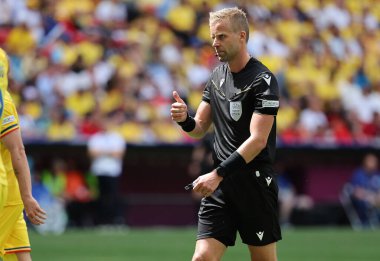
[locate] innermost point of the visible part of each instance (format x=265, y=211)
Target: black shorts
x=246, y=202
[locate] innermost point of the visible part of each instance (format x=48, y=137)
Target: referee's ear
x=177, y=98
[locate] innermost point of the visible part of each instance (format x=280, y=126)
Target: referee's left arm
x=260, y=127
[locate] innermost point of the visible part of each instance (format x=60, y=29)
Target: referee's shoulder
x=264, y=77
x=260, y=67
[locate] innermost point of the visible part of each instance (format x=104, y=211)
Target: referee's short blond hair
x=236, y=17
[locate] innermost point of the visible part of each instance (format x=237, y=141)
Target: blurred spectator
x=290, y=200
x=337, y=119
x=61, y=128
x=365, y=195
x=372, y=129
x=54, y=178
x=20, y=41
x=108, y=11
x=68, y=190
x=80, y=195
x=313, y=118
x=49, y=190
x=107, y=149
x=182, y=19
x=54, y=207
x=91, y=124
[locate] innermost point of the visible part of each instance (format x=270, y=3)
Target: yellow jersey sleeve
x=3, y=87
x=10, y=117
x=10, y=123
x=3, y=174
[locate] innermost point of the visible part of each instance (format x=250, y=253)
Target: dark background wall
x=154, y=176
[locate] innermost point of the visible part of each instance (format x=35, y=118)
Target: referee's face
x=226, y=42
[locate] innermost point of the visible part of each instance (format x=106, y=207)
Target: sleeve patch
x=270, y=104
x=9, y=119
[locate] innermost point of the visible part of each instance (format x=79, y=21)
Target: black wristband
x=187, y=125
x=234, y=162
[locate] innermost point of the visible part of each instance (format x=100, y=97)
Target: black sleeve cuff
x=233, y=163
x=188, y=125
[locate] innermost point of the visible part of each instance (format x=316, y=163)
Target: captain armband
x=234, y=162
x=188, y=125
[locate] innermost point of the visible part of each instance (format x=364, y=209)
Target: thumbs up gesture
x=179, y=109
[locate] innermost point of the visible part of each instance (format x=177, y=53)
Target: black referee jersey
x=234, y=97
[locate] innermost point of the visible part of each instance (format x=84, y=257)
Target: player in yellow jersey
x=14, y=240
x=3, y=86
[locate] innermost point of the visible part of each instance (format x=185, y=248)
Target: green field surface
x=156, y=244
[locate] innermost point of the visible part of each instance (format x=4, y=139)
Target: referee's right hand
x=179, y=109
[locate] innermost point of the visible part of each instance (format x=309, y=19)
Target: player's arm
x=196, y=127
x=13, y=142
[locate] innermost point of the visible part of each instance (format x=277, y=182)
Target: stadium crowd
x=77, y=65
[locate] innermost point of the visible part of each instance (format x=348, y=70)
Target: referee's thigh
x=263, y=253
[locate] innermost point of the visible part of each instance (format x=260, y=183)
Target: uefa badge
x=235, y=110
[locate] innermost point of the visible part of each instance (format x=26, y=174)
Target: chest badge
x=236, y=110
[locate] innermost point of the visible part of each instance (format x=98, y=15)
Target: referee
x=241, y=99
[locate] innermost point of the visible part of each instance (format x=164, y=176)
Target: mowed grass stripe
x=312, y=244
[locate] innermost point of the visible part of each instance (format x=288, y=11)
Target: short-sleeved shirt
x=10, y=123
x=234, y=97
x=108, y=142
x=366, y=180
x=3, y=86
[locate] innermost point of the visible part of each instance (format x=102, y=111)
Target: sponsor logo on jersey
x=9, y=119
x=267, y=78
x=236, y=110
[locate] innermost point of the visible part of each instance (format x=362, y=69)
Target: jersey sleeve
x=206, y=91
x=266, y=94
x=10, y=117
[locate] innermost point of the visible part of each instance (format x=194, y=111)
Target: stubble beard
x=223, y=57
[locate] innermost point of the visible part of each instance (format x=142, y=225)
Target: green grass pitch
x=156, y=244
